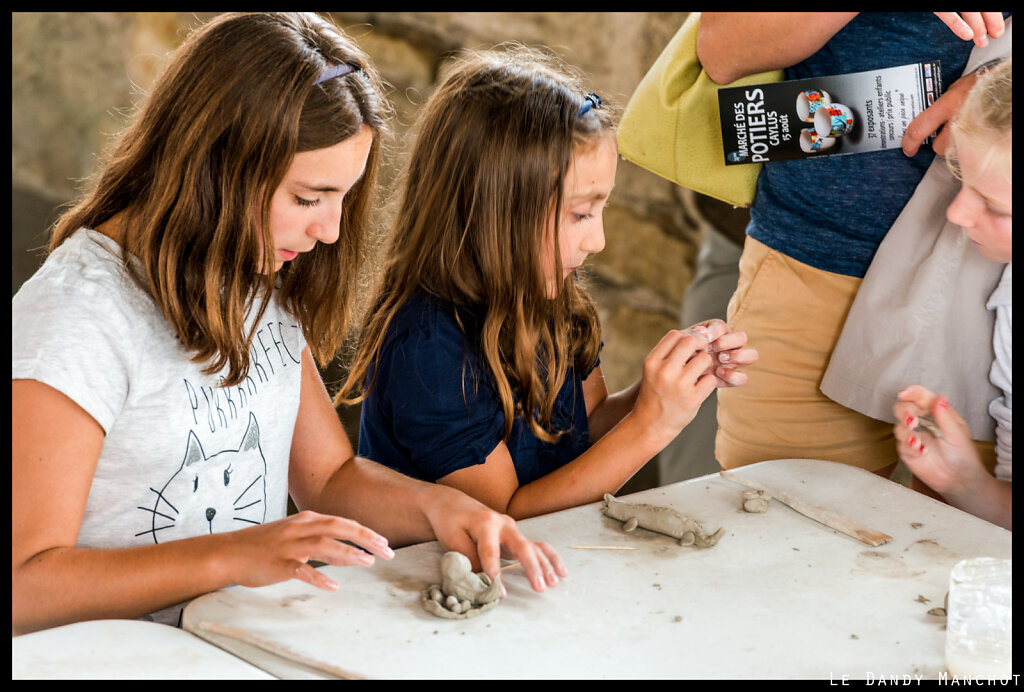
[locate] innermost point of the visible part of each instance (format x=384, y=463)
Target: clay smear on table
x=660, y=519
x=462, y=592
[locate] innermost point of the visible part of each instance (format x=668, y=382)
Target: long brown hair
x=493, y=147
x=193, y=175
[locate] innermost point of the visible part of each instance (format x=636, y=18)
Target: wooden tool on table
x=816, y=512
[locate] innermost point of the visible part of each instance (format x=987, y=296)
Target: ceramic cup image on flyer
x=833, y=120
x=808, y=102
x=811, y=143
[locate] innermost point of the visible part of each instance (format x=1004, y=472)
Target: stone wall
x=76, y=75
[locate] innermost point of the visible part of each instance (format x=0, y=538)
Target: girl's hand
x=947, y=464
x=465, y=525
x=677, y=378
x=281, y=550
x=728, y=354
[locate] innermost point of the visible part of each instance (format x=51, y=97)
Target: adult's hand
x=936, y=116
x=976, y=26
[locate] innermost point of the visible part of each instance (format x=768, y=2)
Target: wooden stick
x=586, y=547
x=816, y=512
x=603, y=547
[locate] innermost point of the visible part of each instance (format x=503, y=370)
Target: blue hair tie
x=336, y=71
x=589, y=101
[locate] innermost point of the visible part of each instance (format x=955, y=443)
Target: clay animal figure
x=660, y=519
x=462, y=592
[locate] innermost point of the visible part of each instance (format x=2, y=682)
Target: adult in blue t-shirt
x=815, y=226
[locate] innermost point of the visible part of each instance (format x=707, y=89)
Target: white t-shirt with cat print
x=182, y=456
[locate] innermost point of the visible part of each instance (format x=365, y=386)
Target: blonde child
x=479, y=365
x=981, y=156
x=165, y=396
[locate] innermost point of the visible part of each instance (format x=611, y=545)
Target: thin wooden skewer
x=603, y=547
x=584, y=547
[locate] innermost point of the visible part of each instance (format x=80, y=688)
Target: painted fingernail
x=723, y=357
x=911, y=421
x=920, y=448
x=943, y=402
x=912, y=441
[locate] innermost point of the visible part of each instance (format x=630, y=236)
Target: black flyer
x=825, y=116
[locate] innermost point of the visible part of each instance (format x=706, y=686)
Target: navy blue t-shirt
x=832, y=212
x=434, y=408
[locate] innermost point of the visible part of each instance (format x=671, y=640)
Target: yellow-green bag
x=671, y=125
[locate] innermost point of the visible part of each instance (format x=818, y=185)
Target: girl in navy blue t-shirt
x=478, y=365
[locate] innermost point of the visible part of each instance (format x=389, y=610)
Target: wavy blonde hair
x=193, y=174
x=493, y=146
x=985, y=120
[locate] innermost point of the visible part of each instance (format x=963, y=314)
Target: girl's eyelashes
x=589, y=214
x=302, y=202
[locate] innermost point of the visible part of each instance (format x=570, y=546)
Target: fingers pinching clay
x=462, y=592
x=927, y=423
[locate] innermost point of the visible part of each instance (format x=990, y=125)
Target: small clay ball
x=756, y=505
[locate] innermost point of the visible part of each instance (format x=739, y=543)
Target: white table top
x=780, y=596
x=123, y=650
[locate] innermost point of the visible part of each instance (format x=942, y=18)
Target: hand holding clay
x=462, y=593
x=946, y=464
x=728, y=353
x=464, y=525
x=677, y=378
x=281, y=550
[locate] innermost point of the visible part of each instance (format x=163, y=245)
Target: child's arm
x=949, y=465
x=325, y=475
x=675, y=382
x=55, y=449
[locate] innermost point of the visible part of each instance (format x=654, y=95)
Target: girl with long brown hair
x=478, y=363
x=165, y=393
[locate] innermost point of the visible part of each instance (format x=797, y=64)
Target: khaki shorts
x=793, y=315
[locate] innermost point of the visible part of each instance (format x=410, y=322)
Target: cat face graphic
x=211, y=494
